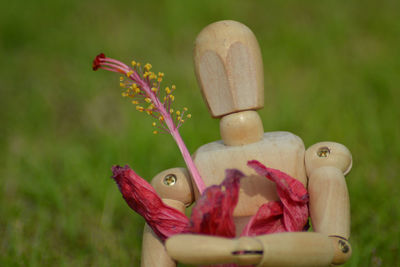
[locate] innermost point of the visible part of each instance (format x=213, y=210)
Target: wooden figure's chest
x=279, y=150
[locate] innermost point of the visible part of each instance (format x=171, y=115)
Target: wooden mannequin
x=230, y=73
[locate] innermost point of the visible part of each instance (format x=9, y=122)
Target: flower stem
x=189, y=161
x=143, y=82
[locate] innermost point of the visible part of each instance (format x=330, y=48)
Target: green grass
x=332, y=73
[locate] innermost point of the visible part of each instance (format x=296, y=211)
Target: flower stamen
x=143, y=87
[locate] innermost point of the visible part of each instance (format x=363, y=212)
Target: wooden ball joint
x=229, y=71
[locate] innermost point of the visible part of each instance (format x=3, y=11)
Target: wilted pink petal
x=267, y=220
x=142, y=198
x=213, y=213
x=292, y=194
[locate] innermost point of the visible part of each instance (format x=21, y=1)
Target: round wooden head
x=229, y=68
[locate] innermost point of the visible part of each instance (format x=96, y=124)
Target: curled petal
x=142, y=198
x=267, y=220
x=292, y=193
x=213, y=213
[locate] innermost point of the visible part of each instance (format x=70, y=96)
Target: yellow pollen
x=167, y=90
x=173, y=87
x=155, y=132
x=122, y=84
x=159, y=79
x=179, y=118
x=148, y=66
x=189, y=116
x=172, y=97
x=137, y=90
x=185, y=109
x=151, y=106
x=161, y=74
x=124, y=94
x=154, y=124
x=139, y=108
x=171, y=111
x=129, y=73
x=133, y=63
x=161, y=118
x=178, y=112
x=146, y=74
x=135, y=102
x=121, y=79
x=148, y=100
x=154, y=89
x=149, y=112
x=138, y=64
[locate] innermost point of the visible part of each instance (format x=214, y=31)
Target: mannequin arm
x=299, y=249
x=326, y=165
x=175, y=188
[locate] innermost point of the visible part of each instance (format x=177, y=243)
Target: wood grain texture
x=328, y=154
x=326, y=166
x=279, y=150
x=229, y=68
x=179, y=195
x=301, y=249
x=153, y=251
x=283, y=249
x=200, y=249
x=342, y=249
x=241, y=128
x=181, y=189
x=329, y=202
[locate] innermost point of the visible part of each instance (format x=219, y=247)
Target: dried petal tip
x=293, y=197
x=142, y=198
x=96, y=61
x=213, y=212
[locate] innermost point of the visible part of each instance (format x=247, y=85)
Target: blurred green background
x=332, y=73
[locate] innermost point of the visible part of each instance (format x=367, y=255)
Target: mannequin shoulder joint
x=174, y=184
x=328, y=154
